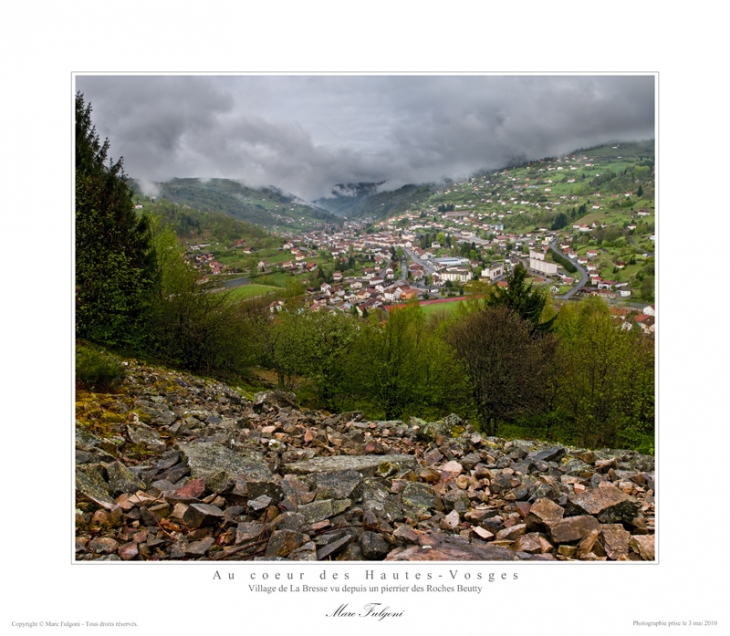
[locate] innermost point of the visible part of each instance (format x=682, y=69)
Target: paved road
x=633, y=242
x=234, y=282
x=584, y=278
x=428, y=268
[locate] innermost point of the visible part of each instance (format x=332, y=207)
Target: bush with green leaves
x=193, y=324
x=98, y=370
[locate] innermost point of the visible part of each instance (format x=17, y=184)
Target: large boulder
x=91, y=484
x=217, y=463
x=270, y=399
x=428, y=432
x=607, y=503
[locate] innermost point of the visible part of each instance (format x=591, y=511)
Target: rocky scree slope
x=175, y=467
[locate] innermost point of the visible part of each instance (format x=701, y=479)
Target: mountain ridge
x=268, y=207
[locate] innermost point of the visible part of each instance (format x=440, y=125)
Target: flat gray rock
x=333, y=547
x=283, y=542
x=338, y=484
x=91, y=484
x=552, y=454
x=145, y=436
x=430, y=431
x=85, y=440
x=281, y=399
x=417, y=495
x=365, y=464
x=374, y=547
x=200, y=514
x=208, y=458
x=123, y=480
x=248, y=531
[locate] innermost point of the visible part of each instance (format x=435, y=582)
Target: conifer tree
x=522, y=299
x=115, y=263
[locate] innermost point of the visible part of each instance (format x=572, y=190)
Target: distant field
x=434, y=305
x=249, y=291
x=448, y=306
x=275, y=279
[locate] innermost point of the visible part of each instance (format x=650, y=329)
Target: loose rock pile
x=174, y=467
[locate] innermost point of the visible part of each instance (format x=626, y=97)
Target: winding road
x=584, y=278
x=633, y=242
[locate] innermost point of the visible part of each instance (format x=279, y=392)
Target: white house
x=459, y=274
x=493, y=271
x=539, y=264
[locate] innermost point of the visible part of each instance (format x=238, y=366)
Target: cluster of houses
x=609, y=288
x=375, y=288
x=203, y=261
x=360, y=297
x=626, y=318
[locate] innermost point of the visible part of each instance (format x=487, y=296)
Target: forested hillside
x=267, y=207
x=191, y=224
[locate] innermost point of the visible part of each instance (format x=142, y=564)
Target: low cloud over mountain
x=306, y=133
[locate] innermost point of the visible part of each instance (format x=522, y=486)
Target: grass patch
x=97, y=370
x=276, y=279
x=447, y=308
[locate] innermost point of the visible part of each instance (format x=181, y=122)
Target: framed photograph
x=364, y=340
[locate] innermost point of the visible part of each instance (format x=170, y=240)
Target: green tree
x=330, y=336
x=195, y=326
x=288, y=347
x=402, y=366
x=647, y=288
x=115, y=263
x=605, y=378
x=313, y=345
x=294, y=293
x=518, y=296
x=388, y=370
x=507, y=366
x=561, y=220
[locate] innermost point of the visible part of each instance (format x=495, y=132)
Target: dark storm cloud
x=306, y=133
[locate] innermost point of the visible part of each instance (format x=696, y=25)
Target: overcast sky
x=304, y=134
